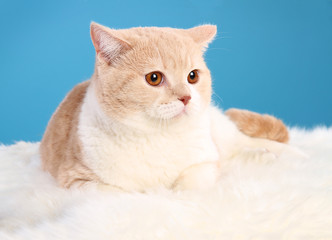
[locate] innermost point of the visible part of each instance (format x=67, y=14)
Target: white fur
x=139, y=160
x=134, y=160
x=289, y=198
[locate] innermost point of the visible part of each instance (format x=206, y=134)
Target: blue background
x=270, y=56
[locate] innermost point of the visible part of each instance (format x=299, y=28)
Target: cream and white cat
x=145, y=120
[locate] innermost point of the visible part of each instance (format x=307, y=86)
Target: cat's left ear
x=107, y=44
x=203, y=35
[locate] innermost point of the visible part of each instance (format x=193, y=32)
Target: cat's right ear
x=107, y=45
x=203, y=35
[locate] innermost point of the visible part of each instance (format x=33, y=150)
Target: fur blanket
x=284, y=199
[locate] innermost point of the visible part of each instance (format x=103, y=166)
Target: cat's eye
x=154, y=78
x=193, y=77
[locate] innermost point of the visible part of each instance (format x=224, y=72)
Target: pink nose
x=185, y=99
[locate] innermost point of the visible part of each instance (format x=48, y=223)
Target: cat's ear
x=106, y=43
x=203, y=35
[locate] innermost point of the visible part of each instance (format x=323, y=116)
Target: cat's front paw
x=262, y=155
x=102, y=187
x=198, y=177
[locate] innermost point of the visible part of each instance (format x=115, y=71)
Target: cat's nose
x=185, y=99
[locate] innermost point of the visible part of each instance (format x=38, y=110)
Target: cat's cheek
x=203, y=89
x=196, y=103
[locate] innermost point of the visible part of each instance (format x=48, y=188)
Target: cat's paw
x=101, y=187
x=269, y=153
x=265, y=151
x=198, y=177
x=260, y=155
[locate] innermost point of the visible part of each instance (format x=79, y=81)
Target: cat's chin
x=179, y=114
x=182, y=114
x=176, y=119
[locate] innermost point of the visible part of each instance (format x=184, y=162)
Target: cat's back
x=60, y=145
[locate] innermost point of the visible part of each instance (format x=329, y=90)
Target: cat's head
x=152, y=74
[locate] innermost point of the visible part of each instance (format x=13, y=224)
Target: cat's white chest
x=140, y=162
x=137, y=161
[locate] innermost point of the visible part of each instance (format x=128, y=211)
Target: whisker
x=226, y=49
x=216, y=94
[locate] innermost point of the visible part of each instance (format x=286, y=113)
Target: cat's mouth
x=168, y=111
x=182, y=113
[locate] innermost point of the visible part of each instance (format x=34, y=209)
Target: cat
x=145, y=119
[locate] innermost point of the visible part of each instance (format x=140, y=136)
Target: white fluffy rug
x=286, y=199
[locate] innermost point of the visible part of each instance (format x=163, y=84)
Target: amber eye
x=154, y=78
x=193, y=77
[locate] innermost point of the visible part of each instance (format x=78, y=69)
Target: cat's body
x=121, y=130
